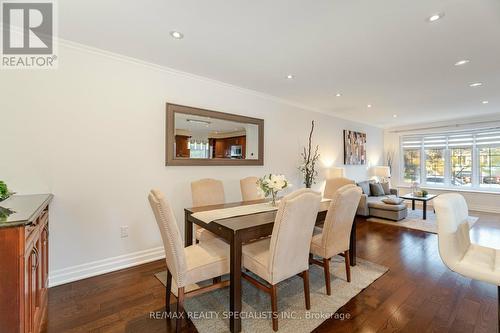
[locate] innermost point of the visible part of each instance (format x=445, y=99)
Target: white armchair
x=455, y=248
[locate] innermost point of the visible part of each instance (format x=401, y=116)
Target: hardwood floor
x=418, y=294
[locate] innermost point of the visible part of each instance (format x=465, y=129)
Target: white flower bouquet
x=271, y=184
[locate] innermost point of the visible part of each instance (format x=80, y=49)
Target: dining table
x=238, y=223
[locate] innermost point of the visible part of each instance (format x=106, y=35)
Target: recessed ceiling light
x=196, y=121
x=338, y=94
x=485, y=102
x=462, y=62
x=289, y=76
x=435, y=17
x=475, y=84
x=394, y=116
x=176, y=34
x=369, y=106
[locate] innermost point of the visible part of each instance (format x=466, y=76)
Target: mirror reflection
x=200, y=137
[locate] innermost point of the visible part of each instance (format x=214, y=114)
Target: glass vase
x=273, y=198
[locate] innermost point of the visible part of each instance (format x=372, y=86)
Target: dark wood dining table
x=243, y=229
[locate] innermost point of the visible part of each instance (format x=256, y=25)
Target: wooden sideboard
x=24, y=263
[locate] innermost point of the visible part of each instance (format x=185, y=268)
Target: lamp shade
x=336, y=172
x=382, y=171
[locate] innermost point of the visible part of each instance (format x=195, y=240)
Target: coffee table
x=424, y=200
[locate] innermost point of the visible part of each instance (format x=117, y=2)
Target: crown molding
x=168, y=70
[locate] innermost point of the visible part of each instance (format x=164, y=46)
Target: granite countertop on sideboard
x=21, y=210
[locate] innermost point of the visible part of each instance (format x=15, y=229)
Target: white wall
x=92, y=133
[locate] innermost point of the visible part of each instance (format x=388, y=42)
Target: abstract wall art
x=354, y=148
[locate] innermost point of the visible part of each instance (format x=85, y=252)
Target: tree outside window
x=412, y=165
x=489, y=164
x=461, y=166
x=434, y=166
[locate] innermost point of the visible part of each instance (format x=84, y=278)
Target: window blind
x=411, y=142
x=461, y=140
x=488, y=138
x=434, y=141
x=458, y=140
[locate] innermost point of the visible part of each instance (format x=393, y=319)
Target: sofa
x=371, y=204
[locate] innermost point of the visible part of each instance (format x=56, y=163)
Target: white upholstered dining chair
x=333, y=184
x=250, y=190
x=206, y=192
x=335, y=235
x=455, y=248
x=286, y=253
x=187, y=265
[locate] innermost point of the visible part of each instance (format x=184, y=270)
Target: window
x=411, y=165
x=466, y=159
x=198, y=149
x=461, y=166
x=434, y=166
x=489, y=167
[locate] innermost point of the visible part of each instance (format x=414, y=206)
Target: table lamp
x=336, y=172
x=383, y=173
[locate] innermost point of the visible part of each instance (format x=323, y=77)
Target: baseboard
x=485, y=209
x=83, y=271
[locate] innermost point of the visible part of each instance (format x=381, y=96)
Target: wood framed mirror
x=203, y=137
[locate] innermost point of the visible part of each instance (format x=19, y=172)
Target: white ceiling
x=382, y=53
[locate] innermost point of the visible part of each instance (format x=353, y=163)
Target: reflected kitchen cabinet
x=182, y=146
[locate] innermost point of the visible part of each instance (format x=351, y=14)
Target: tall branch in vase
x=310, y=158
x=390, y=159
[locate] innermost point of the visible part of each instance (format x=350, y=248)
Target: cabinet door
x=44, y=273
x=181, y=146
x=220, y=148
x=37, y=286
x=44, y=259
x=29, y=288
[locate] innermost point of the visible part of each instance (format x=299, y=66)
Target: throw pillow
x=387, y=188
x=393, y=201
x=376, y=189
x=365, y=186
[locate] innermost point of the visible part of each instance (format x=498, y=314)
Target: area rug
x=209, y=311
x=415, y=221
